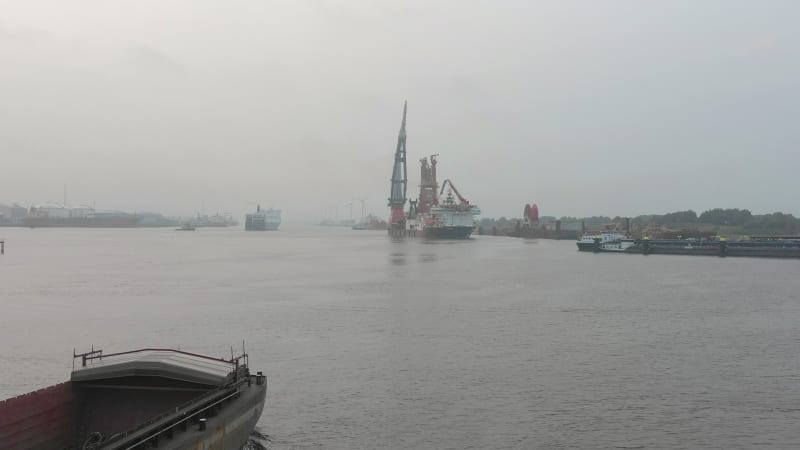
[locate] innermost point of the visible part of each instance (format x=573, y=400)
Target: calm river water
x=373, y=343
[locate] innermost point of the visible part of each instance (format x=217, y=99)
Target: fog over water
x=585, y=108
x=617, y=107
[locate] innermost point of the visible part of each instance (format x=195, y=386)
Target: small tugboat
x=186, y=227
x=141, y=399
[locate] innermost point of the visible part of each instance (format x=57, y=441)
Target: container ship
x=141, y=399
x=263, y=220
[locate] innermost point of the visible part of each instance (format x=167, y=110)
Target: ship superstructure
x=263, y=220
x=444, y=215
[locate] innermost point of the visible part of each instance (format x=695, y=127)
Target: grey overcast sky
x=584, y=107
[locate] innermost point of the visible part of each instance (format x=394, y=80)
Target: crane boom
x=453, y=187
x=397, y=192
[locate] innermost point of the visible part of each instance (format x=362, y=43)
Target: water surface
x=371, y=343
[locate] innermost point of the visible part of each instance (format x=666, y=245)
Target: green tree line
x=774, y=223
x=732, y=217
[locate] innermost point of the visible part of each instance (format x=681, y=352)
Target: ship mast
x=397, y=193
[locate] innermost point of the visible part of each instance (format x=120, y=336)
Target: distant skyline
x=602, y=108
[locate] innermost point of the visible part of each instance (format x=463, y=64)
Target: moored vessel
x=263, y=220
x=769, y=247
x=432, y=214
x=141, y=399
x=449, y=219
x=439, y=215
x=54, y=216
x=605, y=242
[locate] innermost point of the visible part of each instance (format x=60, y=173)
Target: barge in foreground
x=141, y=399
x=770, y=248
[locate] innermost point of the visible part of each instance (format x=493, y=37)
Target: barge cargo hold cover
x=150, y=398
x=778, y=247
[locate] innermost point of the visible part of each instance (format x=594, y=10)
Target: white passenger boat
x=605, y=242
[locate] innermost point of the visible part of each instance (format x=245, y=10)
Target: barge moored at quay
x=769, y=247
x=141, y=399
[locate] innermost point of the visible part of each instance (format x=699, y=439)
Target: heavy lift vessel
x=433, y=214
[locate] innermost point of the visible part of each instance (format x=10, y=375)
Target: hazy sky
x=584, y=107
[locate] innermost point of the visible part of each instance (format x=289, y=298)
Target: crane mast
x=397, y=193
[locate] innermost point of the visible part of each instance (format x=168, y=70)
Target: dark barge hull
x=764, y=252
x=764, y=249
x=674, y=250
x=76, y=222
x=448, y=232
x=140, y=406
